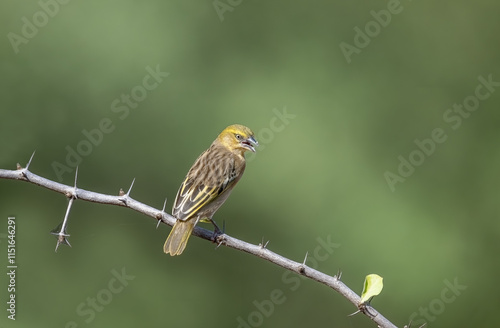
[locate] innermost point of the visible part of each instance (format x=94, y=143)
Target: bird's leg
x=218, y=236
x=217, y=230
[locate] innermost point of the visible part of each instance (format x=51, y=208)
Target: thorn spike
x=162, y=212
x=164, y=205
x=62, y=240
x=350, y=315
x=130, y=189
x=76, y=175
x=31, y=158
x=219, y=243
x=60, y=231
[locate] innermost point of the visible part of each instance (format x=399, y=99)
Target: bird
x=209, y=183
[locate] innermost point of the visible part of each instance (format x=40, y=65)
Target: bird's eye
x=238, y=136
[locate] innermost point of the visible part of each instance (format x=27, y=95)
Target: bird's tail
x=178, y=237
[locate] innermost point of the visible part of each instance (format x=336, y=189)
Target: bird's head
x=238, y=138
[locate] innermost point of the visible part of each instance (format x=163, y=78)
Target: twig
x=261, y=251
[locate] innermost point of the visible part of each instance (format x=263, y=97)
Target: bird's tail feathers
x=178, y=237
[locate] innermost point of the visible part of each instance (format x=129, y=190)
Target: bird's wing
x=194, y=195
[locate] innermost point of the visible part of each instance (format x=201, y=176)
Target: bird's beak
x=250, y=143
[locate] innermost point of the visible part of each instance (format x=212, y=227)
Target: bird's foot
x=217, y=235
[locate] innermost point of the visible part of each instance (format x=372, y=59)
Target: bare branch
x=261, y=251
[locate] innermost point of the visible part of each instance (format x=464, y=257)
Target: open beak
x=250, y=143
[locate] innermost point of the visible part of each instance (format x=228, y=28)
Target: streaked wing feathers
x=192, y=196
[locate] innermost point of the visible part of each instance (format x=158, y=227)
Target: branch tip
x=61, y=235
x=62, y=240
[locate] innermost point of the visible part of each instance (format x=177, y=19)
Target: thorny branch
x=124, y=199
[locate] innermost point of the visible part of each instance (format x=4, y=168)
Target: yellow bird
x=208, y=184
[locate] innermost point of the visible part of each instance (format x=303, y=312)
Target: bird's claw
x=217, y=231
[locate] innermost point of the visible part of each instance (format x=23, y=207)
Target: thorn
x=72, y=194
x=350, y=315
x=76, y=175
x=61, y=236
x=121, y=192
x=75, y=188
x=160, y=215
x=60, y=231
x=219, y=242
x=130, y=189
x=164, y=205
x=31, y=158
x=305, y=259
x=409, y=325
x=338, y=275
x=125, y=196
x=62, y=240
x=24, y=170
x=218, y=236
x=262, y=244
x=302, y=267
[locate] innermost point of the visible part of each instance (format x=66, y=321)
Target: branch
x=72, y=192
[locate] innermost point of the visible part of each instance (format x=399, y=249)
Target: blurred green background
x=330, y=126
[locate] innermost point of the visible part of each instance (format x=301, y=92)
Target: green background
x=317, y=175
